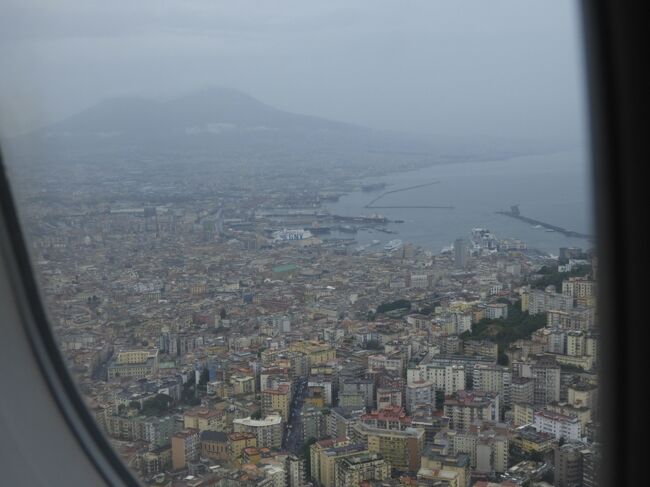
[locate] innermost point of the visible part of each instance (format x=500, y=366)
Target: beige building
x=352, y=469
x=487, y=447
x=242, y=384
x=156, y=461
x=186, y=445
x=277, y=401
x=136, y=364
x=323, y=456
x=392, y=362
x=214, y=444
x=575, y=344
x=237, y=442
x=582, y=395
x=401, y=449
x=523, y=413
x=317, y=353
x=437, y=476
x=529, y=440
x=483, y=348
x=466, y=407
x=449, y=463
x=582, y=413
x=204, y=419
x=585, y=362
x=579, y=288
x=268, y=430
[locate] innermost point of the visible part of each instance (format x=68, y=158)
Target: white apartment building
x=556, y=424
x=448, y=378
x=493, y=378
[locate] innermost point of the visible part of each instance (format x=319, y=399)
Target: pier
x=371, y=204
x=411, y=207
x=514, y=213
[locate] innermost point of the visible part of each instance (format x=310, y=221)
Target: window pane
x=296, y=243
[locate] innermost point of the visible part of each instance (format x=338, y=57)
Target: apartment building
x=557, y=424
x=494, y=378
x=522, y=389
x=393, y=418
x=323, y=456
x=420, y=392
x=186, y=446
x=277, y=401
x=401, y=449
x=237, y=443
x=466, y=407
x=353, y=469
x=448, y=378
x=214, y=444
x=204, y=419
x=268, y=430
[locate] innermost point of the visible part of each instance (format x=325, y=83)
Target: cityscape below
x=230, y=328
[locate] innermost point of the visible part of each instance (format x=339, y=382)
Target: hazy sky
x=493, y=67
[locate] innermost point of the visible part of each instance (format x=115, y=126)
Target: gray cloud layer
x=502, y=67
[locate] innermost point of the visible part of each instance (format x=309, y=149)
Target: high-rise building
x=420, y=392
x=486, y=444
x=323, y=455
x=186, y=446
x=546, y=379
x=460, y=253
x=401, y=449
x=314, y=423
x=568, y=465
x=277, y=401
x=341, y=419
x=295, y=468
x=591, y=467
x=494, y=378
x=522, y=390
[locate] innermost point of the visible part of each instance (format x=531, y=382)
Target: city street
x=292, y=439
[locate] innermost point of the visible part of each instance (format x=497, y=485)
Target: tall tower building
x=460, y=253
x=568, y=465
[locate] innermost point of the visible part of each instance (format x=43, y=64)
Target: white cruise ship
x=393, y=245
x=286, y=235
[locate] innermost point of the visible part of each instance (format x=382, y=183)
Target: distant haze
x=503, y=68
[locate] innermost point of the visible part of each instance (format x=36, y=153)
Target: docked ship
x=347, y=229
x=393, y=245
x=286, y=235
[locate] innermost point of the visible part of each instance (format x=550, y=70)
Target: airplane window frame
x=615, y=141
x=46, y=353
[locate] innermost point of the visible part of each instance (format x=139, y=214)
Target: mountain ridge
x=228, y=124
